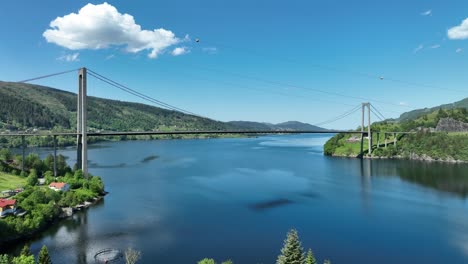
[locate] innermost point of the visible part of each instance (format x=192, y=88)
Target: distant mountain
x=295, y=125
x=286, y=126
x=415, y=114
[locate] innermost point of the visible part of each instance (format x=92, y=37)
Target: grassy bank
x=9, y=181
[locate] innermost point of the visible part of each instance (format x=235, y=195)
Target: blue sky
x=256, y=60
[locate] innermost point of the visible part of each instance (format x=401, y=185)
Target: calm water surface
x=237, y=198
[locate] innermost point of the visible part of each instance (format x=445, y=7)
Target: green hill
x=414, y=114
x=25, y=106
x=286, y=126
x=424, y=144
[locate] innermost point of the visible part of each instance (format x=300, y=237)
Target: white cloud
x=419, y=48
x=69, y=57
x=403, y=103
x=180, y=51
x=459, y=32
x=109, y=57
x=102, y=26
x=458, y=50
x=435, y=46
x=427, y=13
x=210, y=50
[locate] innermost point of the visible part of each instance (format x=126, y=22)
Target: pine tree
x=25, y=251
x=44, y=257
x=292, y=251
x=310, y=259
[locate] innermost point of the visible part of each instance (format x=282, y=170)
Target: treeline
x=291, y=253
x=26, y=257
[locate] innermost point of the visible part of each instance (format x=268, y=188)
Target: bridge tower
x=81, y=123
x=369, y=134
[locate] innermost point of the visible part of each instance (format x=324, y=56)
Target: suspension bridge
x=82, y=132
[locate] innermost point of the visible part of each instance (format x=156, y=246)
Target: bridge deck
x=211, y=132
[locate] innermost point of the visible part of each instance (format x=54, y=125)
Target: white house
x=59, y=186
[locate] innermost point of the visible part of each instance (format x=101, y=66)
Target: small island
x=33, y=199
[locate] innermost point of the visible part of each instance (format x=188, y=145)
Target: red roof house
x=7, y=206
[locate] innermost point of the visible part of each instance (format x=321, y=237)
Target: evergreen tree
x=44, y=257
x=292, y=251
x=206, y=261
x=4, y=259
x=25, y=251
x=310, y=259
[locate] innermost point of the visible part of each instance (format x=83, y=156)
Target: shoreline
x=412, y=157
x=62, y=216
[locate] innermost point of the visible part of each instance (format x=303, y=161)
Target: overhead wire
x=336, y=69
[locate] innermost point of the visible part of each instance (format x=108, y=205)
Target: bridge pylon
x=81, y=123
x=369, y=133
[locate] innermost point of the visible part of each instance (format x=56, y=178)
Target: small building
x=59, y=186
x=41, y=181
x=7, y=206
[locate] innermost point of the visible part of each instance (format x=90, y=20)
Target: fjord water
x=237, y=198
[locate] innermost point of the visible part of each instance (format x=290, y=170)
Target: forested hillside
x=431, y=140
x=25, y=106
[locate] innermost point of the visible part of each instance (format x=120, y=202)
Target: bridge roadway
x=209, y=132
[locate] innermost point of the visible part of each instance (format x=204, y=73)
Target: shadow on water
x=444, y=177
x=266, y=205
x=149, y=158
x=112, y=166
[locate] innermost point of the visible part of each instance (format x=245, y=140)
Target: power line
x=138, y=94
x=47, y=76
x=336, y=69
x=276, y=83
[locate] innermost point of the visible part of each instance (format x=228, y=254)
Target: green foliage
x=206, y=261
x=227, y=262
x=44, y=257
x=292, y=251
x=4, y=259
x=26, y=251
x=43, y=204
x=332, y=144
x=310, y=259
x=32, y=178
x=23, y=260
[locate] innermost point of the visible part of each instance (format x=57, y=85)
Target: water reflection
x=445, y=177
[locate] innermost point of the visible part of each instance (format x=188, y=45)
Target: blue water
x=237, y=198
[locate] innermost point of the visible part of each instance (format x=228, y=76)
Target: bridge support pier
x=23, y=149
x=55, y=156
